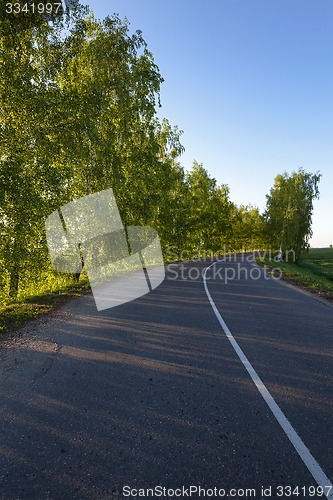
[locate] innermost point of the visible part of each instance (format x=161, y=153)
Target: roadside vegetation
x=17, y=313
x=78, y=114
x=313, y=271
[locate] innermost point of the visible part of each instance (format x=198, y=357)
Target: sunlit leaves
x=289, y=210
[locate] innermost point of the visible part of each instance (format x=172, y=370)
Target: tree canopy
x=78, y=114
x=289, y=210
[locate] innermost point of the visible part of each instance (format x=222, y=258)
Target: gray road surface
x=151, y=393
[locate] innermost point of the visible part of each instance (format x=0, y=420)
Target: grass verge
x=16, y=315
x=313, y=271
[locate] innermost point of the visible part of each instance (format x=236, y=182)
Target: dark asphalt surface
x=152, y=393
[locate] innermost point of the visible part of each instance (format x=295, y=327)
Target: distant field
x=319, y=261
x=313, y=271
x=319, y=254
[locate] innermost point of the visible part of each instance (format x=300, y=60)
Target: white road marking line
x=304, y=453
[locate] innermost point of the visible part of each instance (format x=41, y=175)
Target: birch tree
x=289, y=210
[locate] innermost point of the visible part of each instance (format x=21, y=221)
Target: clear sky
x=250, y=82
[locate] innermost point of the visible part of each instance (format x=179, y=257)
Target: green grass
x=15, y=315
x=313, y=271
x=319, y=261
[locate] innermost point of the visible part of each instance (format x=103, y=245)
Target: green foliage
x=209, y=209
x=248, y=229
x=78, y=115
x=289, y=210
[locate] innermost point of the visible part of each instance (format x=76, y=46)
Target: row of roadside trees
x=78, y=115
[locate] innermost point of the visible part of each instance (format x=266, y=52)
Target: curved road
x=152, y=394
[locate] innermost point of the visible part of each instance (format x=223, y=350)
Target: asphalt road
x=152, y=393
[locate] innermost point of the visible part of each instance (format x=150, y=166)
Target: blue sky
x=250, y=82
